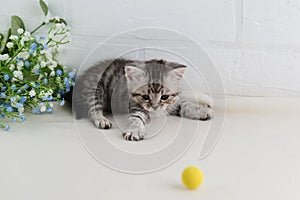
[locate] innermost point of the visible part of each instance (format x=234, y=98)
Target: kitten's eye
x=146, y=97
x=164, y=97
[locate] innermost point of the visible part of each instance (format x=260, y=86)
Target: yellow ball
x=192, y=177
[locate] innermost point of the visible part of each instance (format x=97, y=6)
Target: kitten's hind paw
x=103, y=123
x=134, y=134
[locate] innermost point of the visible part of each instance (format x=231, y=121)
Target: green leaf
x=44, y=7
x=16, y=22
x=4, y=41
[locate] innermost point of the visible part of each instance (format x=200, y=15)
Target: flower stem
x=37, y=28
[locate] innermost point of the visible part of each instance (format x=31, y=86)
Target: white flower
x=58, y=26
x=51, y=44
x=13, y=37
x=43, y=109
x=12, y=67
x=9, y=45
x=57, y=18
x=58, y=79
x=24, y=55
x=20, y=31
x=21, y=109
x=48, y=55
x=18, y=74
x=23, y=40
x=42, y=94
x=36, y=68
x=43, y=64
x=52, y=73
x=4, y=57
x=32, y=93
x=27, y=34
x=20, y=65
x=51, y=35
x=51, y=105
x=41, y=76
x=51, y=67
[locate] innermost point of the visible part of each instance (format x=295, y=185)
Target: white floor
x=258, y=157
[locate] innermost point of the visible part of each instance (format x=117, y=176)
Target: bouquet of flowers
x=30, y=75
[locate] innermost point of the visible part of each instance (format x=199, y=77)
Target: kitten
x=147, y=86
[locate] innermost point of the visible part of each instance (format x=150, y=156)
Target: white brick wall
x=255, y=43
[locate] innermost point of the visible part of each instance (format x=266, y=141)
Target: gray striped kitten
x=139, y=87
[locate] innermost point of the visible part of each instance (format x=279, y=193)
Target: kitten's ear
x=176, y=73
x=134, y=73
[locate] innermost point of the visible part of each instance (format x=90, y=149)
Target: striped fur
x=139, y=87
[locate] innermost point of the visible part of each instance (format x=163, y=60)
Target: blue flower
x=13, y=99
x=25, y=87
x=6, y=128
x=18, y=105
x=37, y=38
x=19, y=91
x=27, y=64
x=33, y=46
x=58, y=72
x=3, y=88
x=2, y=95
x=14, y=87
x=71, y=75
x=62, y=102
x=23, y=100
x=45, y=81
x=6, y=77
x=45, y=98
x=49, y=110
x=36, y=110
x=68, y=88
x=23, y=118
x=50, y=98
x=14, y=119
x=46, y=47
x=18, y=59
x=9, y=109
x=66, y=80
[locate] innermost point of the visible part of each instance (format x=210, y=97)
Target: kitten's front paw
x=195, y=111
x=205, y=113
x=103, y=123
x=135, y=134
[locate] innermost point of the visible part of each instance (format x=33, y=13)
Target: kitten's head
x=154, y=84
